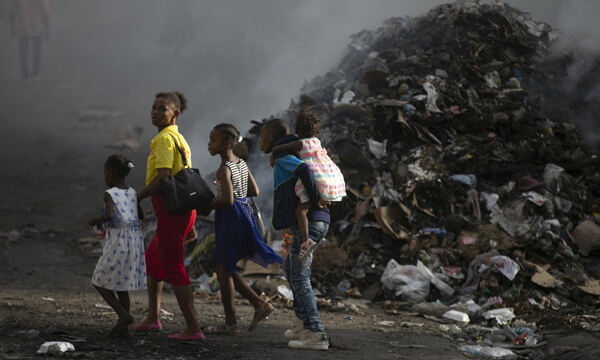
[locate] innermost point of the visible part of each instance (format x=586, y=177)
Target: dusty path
x=61, y=272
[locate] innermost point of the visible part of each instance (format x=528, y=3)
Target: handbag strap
x=183, y=158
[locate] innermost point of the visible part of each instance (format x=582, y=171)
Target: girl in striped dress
x=328, y=177
x=236, y=232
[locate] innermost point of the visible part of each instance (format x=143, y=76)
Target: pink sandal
x=155, y=326
x=193, y=337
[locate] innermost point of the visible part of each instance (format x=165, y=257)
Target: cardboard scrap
x=543, y=279
x=592, y=287
x=387, y=218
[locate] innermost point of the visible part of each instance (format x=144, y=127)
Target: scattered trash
x=470, y=180
x=450, y=329
x=494, y=352
x=430, y=308
x=405, y=280
x=459, y=170
x=45, y=298
x=285, y=292
x=502, y=316
x=55, y=347
x=386, y=323
x=457, y=316
x=587, y=237
x=164, y=314
x=376, y=148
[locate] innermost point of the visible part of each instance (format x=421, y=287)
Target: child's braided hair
x=229, y=131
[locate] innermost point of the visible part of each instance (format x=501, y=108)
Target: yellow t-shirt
x=164, y=153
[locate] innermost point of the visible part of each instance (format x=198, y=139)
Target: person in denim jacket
x=308, y=331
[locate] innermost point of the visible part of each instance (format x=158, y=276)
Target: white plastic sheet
x=55, y=347
x=432, y=97
x=405, y=280
x=502, y=315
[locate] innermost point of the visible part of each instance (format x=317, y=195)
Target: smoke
x=579, y=87
x=577, y=21
x=235, y=60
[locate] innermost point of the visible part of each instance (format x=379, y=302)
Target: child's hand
x=305, y=247
x=323, y=203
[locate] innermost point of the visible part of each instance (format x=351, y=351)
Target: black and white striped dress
x=237, y=235
x=239, y=179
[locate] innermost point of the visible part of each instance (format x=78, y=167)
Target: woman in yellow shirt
x=164, y=256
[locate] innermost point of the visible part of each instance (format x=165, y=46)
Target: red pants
x=164, y=256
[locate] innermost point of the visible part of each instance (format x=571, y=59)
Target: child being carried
x=328, y=177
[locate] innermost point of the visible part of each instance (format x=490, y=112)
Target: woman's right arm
x=154, y=186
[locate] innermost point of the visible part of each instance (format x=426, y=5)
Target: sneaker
x=296, y=331
x=311, y=340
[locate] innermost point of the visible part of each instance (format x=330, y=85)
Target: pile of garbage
x=456, y=176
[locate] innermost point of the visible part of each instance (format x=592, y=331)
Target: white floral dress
x=122, y=266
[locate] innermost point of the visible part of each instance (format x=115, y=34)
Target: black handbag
x=258, y=217
x=185, y=191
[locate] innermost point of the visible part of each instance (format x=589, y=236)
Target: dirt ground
x=46, y=298
x=52, y=183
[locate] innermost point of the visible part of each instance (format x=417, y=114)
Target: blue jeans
x=298, y=275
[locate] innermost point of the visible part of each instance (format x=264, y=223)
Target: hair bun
x=183, y=104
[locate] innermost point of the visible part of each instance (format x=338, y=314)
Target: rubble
x=456, y=174
x=450, y=159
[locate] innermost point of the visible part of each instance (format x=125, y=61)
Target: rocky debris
x=457, y=177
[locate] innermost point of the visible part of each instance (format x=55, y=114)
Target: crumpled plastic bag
x=507, y=266
x=435, y=279
x=406, y=280
x=412, y=282
x=503, y=315
x=494, y=352
x=55, y=347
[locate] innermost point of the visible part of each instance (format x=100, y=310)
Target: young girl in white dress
x=122, y=266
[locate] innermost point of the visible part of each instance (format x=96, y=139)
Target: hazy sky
x=236, y=60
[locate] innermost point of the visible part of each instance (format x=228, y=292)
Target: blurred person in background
x=30, y=22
